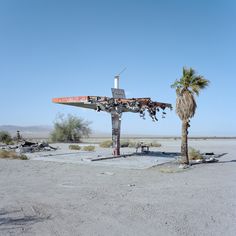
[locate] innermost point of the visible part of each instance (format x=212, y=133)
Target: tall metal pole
x=116, y=124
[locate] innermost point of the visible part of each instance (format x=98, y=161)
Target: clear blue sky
x=55, y=48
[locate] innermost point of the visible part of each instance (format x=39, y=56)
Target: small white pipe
x=116, y=82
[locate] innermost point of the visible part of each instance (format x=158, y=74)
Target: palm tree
x=189, y=85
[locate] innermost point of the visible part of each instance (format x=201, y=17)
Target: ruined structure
x=116, y=106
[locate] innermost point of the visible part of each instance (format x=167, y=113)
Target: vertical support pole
x=116, y=123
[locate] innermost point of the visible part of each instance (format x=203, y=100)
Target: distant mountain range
x=37, y=131
x=43, y=132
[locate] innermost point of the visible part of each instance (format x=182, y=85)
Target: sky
x=56, y=48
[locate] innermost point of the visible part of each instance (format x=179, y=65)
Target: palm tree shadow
x=176, y=155
x=216, y=159
x=168, y=155
x=231, y=161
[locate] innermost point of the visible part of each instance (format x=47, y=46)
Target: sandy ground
x=69, y=197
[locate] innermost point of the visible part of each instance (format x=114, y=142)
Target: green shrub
x=127, y=143
x=106, y=144
x=5, y=137
x=74, y=147
x=12, y=155
x=89, y=148
x=23, y=157
x=124, y=143
x=194, y=154
x=70, y=129
x=154, y=144
x=150, y=144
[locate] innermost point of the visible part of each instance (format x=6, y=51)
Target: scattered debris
x=209, y=153
x=184, y=166
x=107, y=173
x=208, y=157
x=131, y=185
x=27, y=146
x=210, y=160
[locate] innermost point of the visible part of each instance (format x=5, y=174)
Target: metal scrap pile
x=27, y=146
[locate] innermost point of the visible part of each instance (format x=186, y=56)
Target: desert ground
x=64, y=193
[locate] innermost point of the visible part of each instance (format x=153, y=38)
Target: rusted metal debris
x=136, y=105
x=112, y=157
x=117, y=105
x=26, y=146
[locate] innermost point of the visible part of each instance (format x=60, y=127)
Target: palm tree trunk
x=184, y=144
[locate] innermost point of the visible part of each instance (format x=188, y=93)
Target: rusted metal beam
x=116, y=124
x=112, y=157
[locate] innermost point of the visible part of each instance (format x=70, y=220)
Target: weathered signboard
x=118, y=93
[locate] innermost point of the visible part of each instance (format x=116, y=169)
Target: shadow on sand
x=10, y=220
x=209, y=158
x=231, y=161
x=173, y=155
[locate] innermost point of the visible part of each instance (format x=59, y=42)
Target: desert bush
x=150, y=144
x=23, y=157
x=132, y=144
x=70, y=129
x=12, y=155
x=106, y=144
x=124, y=143
x=5, y=137
x=194, y=154
x=74, y=147
x=11, y=143
x=127, y=143
x=154, y=144
x=89, y=148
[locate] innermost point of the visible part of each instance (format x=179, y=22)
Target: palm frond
x=198, y=83
x=191, y=72
x=175, y=84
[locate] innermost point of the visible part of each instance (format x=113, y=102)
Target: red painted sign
x=70, y=99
